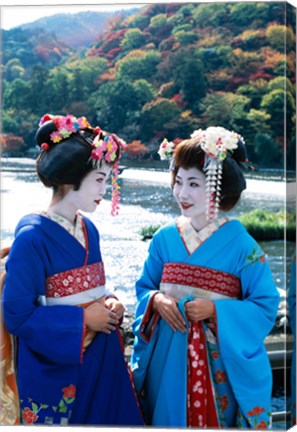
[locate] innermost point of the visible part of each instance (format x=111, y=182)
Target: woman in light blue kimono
x=206, y=299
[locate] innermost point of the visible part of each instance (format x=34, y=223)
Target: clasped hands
x=104, y=315
x=196, y=310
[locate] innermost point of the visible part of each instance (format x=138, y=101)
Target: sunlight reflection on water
x=146, y=200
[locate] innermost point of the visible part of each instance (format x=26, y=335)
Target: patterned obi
x=181, y=280
x=77, y=286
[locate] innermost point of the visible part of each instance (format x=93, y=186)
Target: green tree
x=274, y=103
x=254, y=90
x=140, y=21
x=281, y=82
x=59, y=84
x=16, y=94
x=225, y=109
x=182, y=27
x=139, y=66
x=210, y=14
x=13, y=69
x=133, y=39
x=77, y=86
x=186, y=37
x=185, y=68
x=10, y=123
x=155, y=115
x=144, y=92
x=114, y=104
x=39, y=94
x=280, y=37
x=158, y=21
x=242, y=14
x=259, y=120
x=268, y=151
x=190, y=79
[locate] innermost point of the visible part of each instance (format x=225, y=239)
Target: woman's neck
x=199, y=222
x=61, y=204
x=68, y=214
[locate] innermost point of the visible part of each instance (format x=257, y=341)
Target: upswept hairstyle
x=189, y=154
x=69, y=160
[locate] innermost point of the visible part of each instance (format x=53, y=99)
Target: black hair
x=189, y=154
x=68, y=161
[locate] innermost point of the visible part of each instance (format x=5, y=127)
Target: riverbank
x=262, y=224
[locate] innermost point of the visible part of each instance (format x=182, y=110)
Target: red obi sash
x=75, y=281
x=81, y=287
x=203, y=278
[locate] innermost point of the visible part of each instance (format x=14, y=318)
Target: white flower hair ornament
x=216, y=142
x=166, y=150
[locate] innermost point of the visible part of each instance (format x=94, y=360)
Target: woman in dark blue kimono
x=70, y=363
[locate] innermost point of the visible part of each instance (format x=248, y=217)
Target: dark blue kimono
x=58, y=383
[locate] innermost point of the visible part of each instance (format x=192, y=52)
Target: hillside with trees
x=167, y=70
x=76, y=30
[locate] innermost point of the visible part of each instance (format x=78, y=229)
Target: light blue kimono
x=159, y=360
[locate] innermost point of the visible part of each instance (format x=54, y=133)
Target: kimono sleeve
x=252, y=317
x=242, y=327
x=145, y=326
x=152, y=270
x=56, y=332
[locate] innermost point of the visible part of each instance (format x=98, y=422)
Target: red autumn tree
x=11, y=143
x=136, y=150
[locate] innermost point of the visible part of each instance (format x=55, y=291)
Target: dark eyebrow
x=102, y=173
x=190, y=178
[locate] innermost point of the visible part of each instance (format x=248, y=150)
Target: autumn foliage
x=163, y=71
x=11, y=143
x=136, y=150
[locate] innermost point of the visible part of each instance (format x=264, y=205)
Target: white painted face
x=190, y=194
x=91, y=191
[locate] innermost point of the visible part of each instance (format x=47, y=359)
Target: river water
x=146, y=200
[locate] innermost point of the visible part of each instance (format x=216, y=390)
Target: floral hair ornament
x=106, y=149
x=166, y=150
x=65, y=126
x=216, y=142
x=103, y=149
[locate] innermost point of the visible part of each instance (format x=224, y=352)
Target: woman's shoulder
x=163, y=237
x=29, y=223
x=238, y=228
x=166, y=230
x=28, y=230
x=241, y=237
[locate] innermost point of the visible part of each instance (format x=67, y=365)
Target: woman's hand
x=115, y=306
x=166, y=306
x=199, y=309
x=100, y=319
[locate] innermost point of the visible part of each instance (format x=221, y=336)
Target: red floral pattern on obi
x=76, y=280
x=202, y=277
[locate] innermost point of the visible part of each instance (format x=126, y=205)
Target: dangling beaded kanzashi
x=213, y=173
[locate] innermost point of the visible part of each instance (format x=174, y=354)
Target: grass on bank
x=263, y=225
